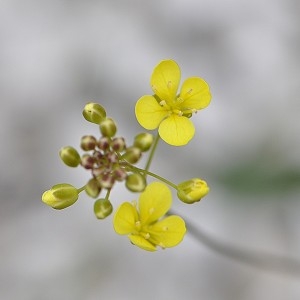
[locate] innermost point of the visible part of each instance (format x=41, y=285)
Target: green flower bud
x=60, y=196
x=93, y=188
x=135, y=182
x=94, y=113
x=192, y=190
x=132, y=155
x=102, y=208
x=108, y=127
x=70, y=156
x=143, y=141
x=88, y=142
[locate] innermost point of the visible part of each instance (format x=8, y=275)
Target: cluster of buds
x=107, y=158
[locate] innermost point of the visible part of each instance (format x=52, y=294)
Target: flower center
x=177, y=107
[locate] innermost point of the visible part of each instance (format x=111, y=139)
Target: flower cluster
x=109, y=159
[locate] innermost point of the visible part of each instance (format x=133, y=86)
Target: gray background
x=57, y=55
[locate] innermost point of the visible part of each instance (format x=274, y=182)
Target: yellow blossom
x=169, y=111
x=142, y=221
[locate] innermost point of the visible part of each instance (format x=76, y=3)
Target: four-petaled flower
x=169, y=111
x=143, y=224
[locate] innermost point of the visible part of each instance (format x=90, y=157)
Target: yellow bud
x=94, y=113
x=135, y=182
x=143, y=141
x=108, y=127
x=192, y=190
x=60, y=196
x=70, y=156
x=102, y=208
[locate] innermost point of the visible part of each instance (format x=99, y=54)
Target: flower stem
x=155, y=176
x=81, y=189
x=151, y=155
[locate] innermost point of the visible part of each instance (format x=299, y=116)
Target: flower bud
x=93, y=188
x=118, y=144
x=135, y=182
x=192, y=190
x=143, y=141
x=106, y=180
x=60, y=196
x=108, y=127
x=103, y=143
x=94, y=113
x=120, y=174
x=87, y=161
x=70, y=156
x=88, y=142
x=132, y=155
x=102, y=208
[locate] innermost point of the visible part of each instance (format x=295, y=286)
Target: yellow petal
x=165, y=80
x=125, y=219
x=149, y=113
x=167, y=233
x=176, y=130
x=141, y=242
x=195, y=94
x=154, y=202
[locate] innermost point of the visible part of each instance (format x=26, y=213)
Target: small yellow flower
x=169, y=111
x=143, y=224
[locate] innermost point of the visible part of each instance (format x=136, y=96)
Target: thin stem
x=261, y=260
x=81, y=189
x=151, y=155
x=107, y=194
x=155, y=176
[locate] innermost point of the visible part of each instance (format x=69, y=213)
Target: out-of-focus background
x=57, y=55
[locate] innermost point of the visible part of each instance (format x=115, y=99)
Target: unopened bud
x=94, y=112
x=118, y=144
x=88, y=142
x=70, y=156
x=102, y=208
x=120, y=174
x=60, y=196
x=132, y=155
x=87, y=161
x=108, y=127
x=143, y=141
x=103, y=143
x=192, y=190
x=135, y=182
x=93, y=188
x=106, y=180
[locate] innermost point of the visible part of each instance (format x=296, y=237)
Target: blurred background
x=57, y=55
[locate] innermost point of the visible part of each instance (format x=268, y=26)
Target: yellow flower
x=169, y=111
x=143, y=224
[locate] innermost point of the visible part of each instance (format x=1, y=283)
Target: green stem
x=151, y=155
x=81, y=189
x=155, y=176
x=107, y=194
